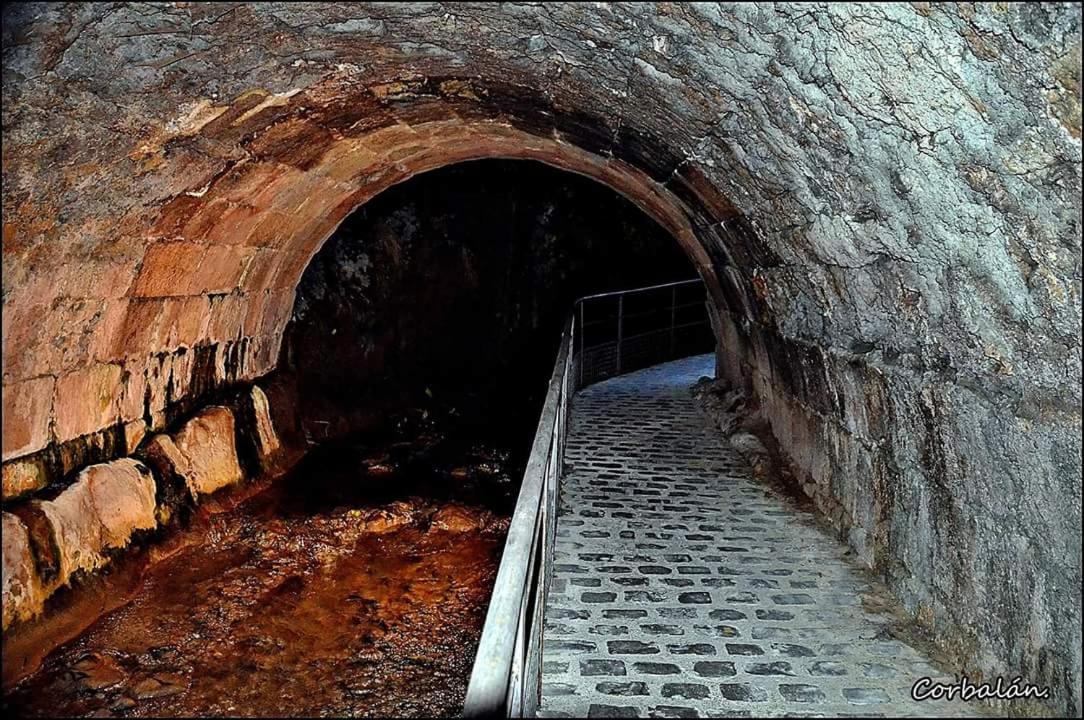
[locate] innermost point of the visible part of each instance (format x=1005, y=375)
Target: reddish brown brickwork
x=217, y=262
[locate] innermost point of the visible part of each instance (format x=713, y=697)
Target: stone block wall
x=102, y=412
x=49, y=543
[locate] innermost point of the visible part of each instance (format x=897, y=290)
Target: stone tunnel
x=882, y=201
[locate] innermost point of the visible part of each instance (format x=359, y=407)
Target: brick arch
x=204, y=299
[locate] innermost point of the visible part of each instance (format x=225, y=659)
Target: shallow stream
x=355, y=585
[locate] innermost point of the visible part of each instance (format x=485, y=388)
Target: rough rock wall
x=884, y=200
x=455, y=286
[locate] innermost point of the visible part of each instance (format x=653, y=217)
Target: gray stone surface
x=776, y=625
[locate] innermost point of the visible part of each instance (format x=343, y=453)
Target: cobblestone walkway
x=683, y=588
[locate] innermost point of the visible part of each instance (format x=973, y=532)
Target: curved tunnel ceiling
x=221, y=260
x=147, y=153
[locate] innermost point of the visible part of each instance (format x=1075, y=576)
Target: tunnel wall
x=939, y=494
x=883, y=200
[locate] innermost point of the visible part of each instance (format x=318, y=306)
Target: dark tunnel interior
x=451, y=289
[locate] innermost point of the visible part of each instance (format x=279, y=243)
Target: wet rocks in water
x=122, y=703
x=319, y=593
x=100, y=511
x=483, y=463
x=388, y=519
x=368, y=655
x=158, y=685
x=456, y=518
x=96, y=671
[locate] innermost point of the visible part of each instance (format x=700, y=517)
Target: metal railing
x=632, y=329
x=506, y=678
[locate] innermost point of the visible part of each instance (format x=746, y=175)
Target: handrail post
x=583, y=340
x=620, y=318
x=673, y=318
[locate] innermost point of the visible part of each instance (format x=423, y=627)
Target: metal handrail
x=633, y=291
x=506, y=679
x=601, y=364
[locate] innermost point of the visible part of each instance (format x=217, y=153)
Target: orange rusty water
x=311, y=598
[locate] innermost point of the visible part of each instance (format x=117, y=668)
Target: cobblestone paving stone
x=684, y=588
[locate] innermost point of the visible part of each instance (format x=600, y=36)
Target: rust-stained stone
x=107, y=343
x=86, y=400
x=348, y=159
x=254, y=310
x=42, y=543
x=76, y=529
x=282, y=182
x=181, y=376
x=99, y=511
x=21, y=589
x=168, y=269
x=203, y=452
x=157, y=374
x=270, y=204
x=171, y=467
x=49, y=339
x=134, y=432
x=27, y=409
x=306, y=194
x=263, y=354
x=139, y=328
x=261, y=270
x=22, y=477
x=122, y=493
x=89, y=278
x=221, y=269
x=272, y=312
x=271, y=230
x=227, y=317
x=292, y=264
x=295, y=142
x=266, y=439
x=234, y=223
x=455, y=518
x=175, y=216
x=254, y=110
x=201, y=219
x=240, y=182
x=230, y=359
x=183, y=322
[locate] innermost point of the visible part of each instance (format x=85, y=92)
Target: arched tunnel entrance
x=882, y=203
x=456, y=285
x=411, y=375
